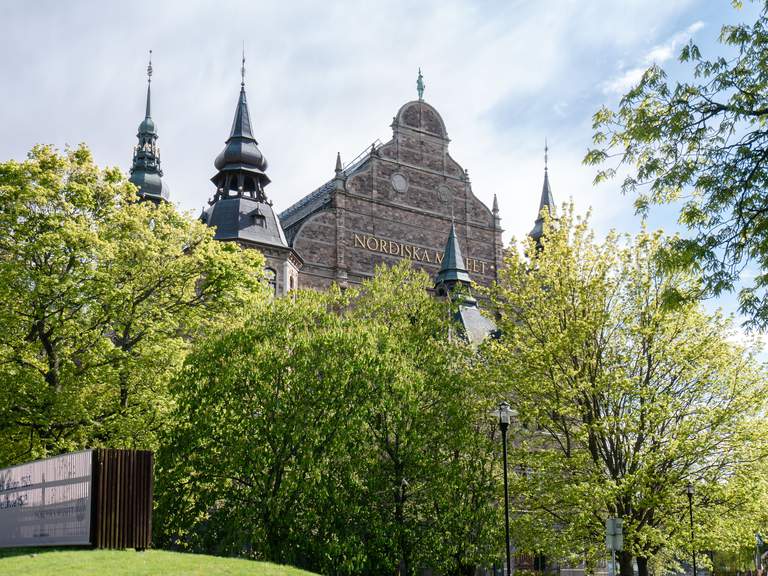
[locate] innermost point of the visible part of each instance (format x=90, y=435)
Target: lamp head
x=505, y=414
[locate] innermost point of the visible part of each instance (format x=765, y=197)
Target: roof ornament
x=420, y=86
x=149, y=82
x=242, y=68
x=546, y=153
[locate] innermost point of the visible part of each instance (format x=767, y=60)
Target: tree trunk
x=625, y=564
x=642, y=566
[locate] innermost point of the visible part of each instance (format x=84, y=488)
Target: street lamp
x=689, y=493
x=505, y=414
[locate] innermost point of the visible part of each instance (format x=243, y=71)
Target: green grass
x=58, y=562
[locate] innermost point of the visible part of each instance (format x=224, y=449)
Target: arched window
x=271, y=276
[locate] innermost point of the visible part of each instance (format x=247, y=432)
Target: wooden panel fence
x=121, y=511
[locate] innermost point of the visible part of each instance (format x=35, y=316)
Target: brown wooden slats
x=122, y=482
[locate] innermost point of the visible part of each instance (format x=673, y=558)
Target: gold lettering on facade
x=411, y=252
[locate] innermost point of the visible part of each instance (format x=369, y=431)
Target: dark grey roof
x=150, y=185
x=452, y=269
x=246, y=219
x=548, y=202
x=476, y=326
x=319, y=198
x=311, y=203
x=241, y=148
x=146, y=173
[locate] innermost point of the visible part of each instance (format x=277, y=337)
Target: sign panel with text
x=47, y=502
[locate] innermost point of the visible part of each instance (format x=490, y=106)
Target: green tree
x=100, y=298
x=702, y=145
x=338, y=431
x=622, y=400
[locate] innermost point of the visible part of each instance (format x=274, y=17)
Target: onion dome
x=241, y=165
x=241, y=147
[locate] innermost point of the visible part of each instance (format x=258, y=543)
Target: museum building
x=406, y=198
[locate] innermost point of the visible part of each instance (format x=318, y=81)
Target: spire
x=241, y=165
x=242, y=69
x=495, y=205
x=420, y=86
x=338, y=163
x=146, y=173
x=546, y=202
x=452, y=270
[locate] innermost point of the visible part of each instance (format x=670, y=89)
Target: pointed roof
x=241, y=150
x=241, y=124
x=546, y=202
x=146, y=173
x=452, y=270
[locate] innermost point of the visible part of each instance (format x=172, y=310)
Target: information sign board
x=47, y=502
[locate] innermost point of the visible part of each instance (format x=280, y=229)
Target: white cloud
x=656, y=55
x=326, y=77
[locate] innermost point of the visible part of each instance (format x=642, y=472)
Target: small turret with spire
x=146, y=173
x=453, y=283
x=240, y=211
x=546, y=202
x=241, y=165
x=453, y=271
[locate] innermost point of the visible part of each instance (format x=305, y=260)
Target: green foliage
x=100, y=299
x=623, y=399
x=47, y=561
x=338, y=431
x=702, y=145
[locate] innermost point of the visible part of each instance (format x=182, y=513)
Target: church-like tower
x=453, y=283
x=240, y=210
x=146, y=173
x=547, y=203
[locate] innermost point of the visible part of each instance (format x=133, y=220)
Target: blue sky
x=324, y=77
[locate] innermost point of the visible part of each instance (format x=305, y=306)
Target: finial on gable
x=420, y=86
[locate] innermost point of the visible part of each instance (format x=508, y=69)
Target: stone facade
x=395, y=202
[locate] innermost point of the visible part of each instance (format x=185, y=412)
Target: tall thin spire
x=241, y=165
x=149, y=84
x=546, y=202
x=146, y=173
x=242, y=69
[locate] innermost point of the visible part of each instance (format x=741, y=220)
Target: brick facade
x=395, y=202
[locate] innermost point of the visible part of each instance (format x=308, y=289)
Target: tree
x=622, y=400
x=702, y=145
x=101, y=297
x=340, y=432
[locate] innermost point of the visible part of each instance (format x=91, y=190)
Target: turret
x=146, y=173
x=545, y=203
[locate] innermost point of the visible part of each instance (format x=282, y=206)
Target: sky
x=328, y=77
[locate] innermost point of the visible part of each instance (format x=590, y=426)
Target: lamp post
x=504, y=417
x=689, y=493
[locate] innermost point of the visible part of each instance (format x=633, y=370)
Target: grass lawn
x=59, y=562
